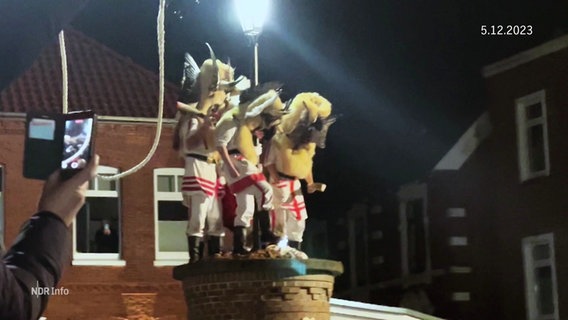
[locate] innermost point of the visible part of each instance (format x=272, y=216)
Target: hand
x=233, y=172
x=274, y=178
x=65, y=198
x=209, y=122
x=311, y=188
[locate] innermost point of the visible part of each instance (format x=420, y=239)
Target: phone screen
x=76, y=143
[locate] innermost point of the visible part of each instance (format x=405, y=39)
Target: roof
x=100, y=79
x=466, y=145
x=525, y=56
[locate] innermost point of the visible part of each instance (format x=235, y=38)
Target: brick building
x=492, y=213
x=143, y=209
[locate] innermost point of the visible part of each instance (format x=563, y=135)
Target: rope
x=161, y=46
x=65, y=80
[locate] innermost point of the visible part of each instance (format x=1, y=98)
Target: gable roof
x=100, y=79
x=466, y=145
x=525, y=56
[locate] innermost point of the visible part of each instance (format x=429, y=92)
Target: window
x=414, y=238
x=170, y=217
x=1, y=209
x=97, y=229
x=358, y=245
x=540, y=277
x=532, y=136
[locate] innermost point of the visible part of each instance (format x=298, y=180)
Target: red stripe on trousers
x=197, y=185
x=295, y=203
x=198, y=179
x=246, y=182
x=209, y=193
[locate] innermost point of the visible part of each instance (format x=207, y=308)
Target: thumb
x=88, y=173
x=52, y=180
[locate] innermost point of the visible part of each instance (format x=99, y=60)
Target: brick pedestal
x=271, y=289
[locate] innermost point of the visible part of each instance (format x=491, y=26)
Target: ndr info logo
x=49, y=291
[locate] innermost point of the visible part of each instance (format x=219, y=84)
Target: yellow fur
x=245, y=145
x=243, y=135
x=316, y=105
x=298, y=163
x=206, y=74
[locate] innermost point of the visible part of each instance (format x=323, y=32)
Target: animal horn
x=215, y=79
x=258, y=109
x=232, y=83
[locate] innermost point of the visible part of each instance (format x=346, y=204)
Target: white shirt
x=226, y=132
x=188, y=129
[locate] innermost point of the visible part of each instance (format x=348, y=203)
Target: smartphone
x=58, y=141
x=78, y=134
x=42, y=147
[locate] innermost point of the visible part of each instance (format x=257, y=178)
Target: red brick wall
x=95, y=292
x=501, y=210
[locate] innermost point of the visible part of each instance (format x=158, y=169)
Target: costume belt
x=198, y=156
x=285, y=176
x=234, y=151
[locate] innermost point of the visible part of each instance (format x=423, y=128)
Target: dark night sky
x=404, y=75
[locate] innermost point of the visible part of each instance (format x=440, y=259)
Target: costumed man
x=291, y=158
x=259, y=108
x=206, y=95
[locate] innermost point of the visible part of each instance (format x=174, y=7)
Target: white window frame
x=528, y=244
x=358, y=211
x=406, y=194
x=99, y=259
x=522, y=138
x=167, y=258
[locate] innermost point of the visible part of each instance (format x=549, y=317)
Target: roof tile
x=100, y=79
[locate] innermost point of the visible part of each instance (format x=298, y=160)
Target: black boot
x=239, y=237
x=193, y=248
x=256, y=232
x=213, y=245
x=267, y=237
x=201, y=248
x=295, y=244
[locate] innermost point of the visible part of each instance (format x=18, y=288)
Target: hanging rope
x=161, y=46
x=65, y=88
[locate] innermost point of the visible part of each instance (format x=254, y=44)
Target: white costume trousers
x=249, y=188
x=289, y=214
x=200, y=196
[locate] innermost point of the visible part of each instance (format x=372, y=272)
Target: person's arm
x=225, y=133
x=35, y=260
x=270, y=164
x=198, y=130
x=313, y=186
x=40, y=251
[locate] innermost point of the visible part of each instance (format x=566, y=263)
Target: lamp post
x=252, y=14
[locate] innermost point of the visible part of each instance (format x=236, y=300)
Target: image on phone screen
x=76, y=143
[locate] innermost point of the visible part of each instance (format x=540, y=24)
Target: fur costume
x=260, y=108
x=206, y=95
x=291, y=158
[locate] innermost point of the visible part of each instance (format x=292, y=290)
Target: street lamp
x=252, y=14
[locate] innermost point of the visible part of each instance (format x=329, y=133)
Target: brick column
x=262, y=289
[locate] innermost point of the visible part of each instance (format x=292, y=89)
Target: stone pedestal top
x=292, y=267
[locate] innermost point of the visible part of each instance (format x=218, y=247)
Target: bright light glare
x=283, y=243
x=253, y=14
